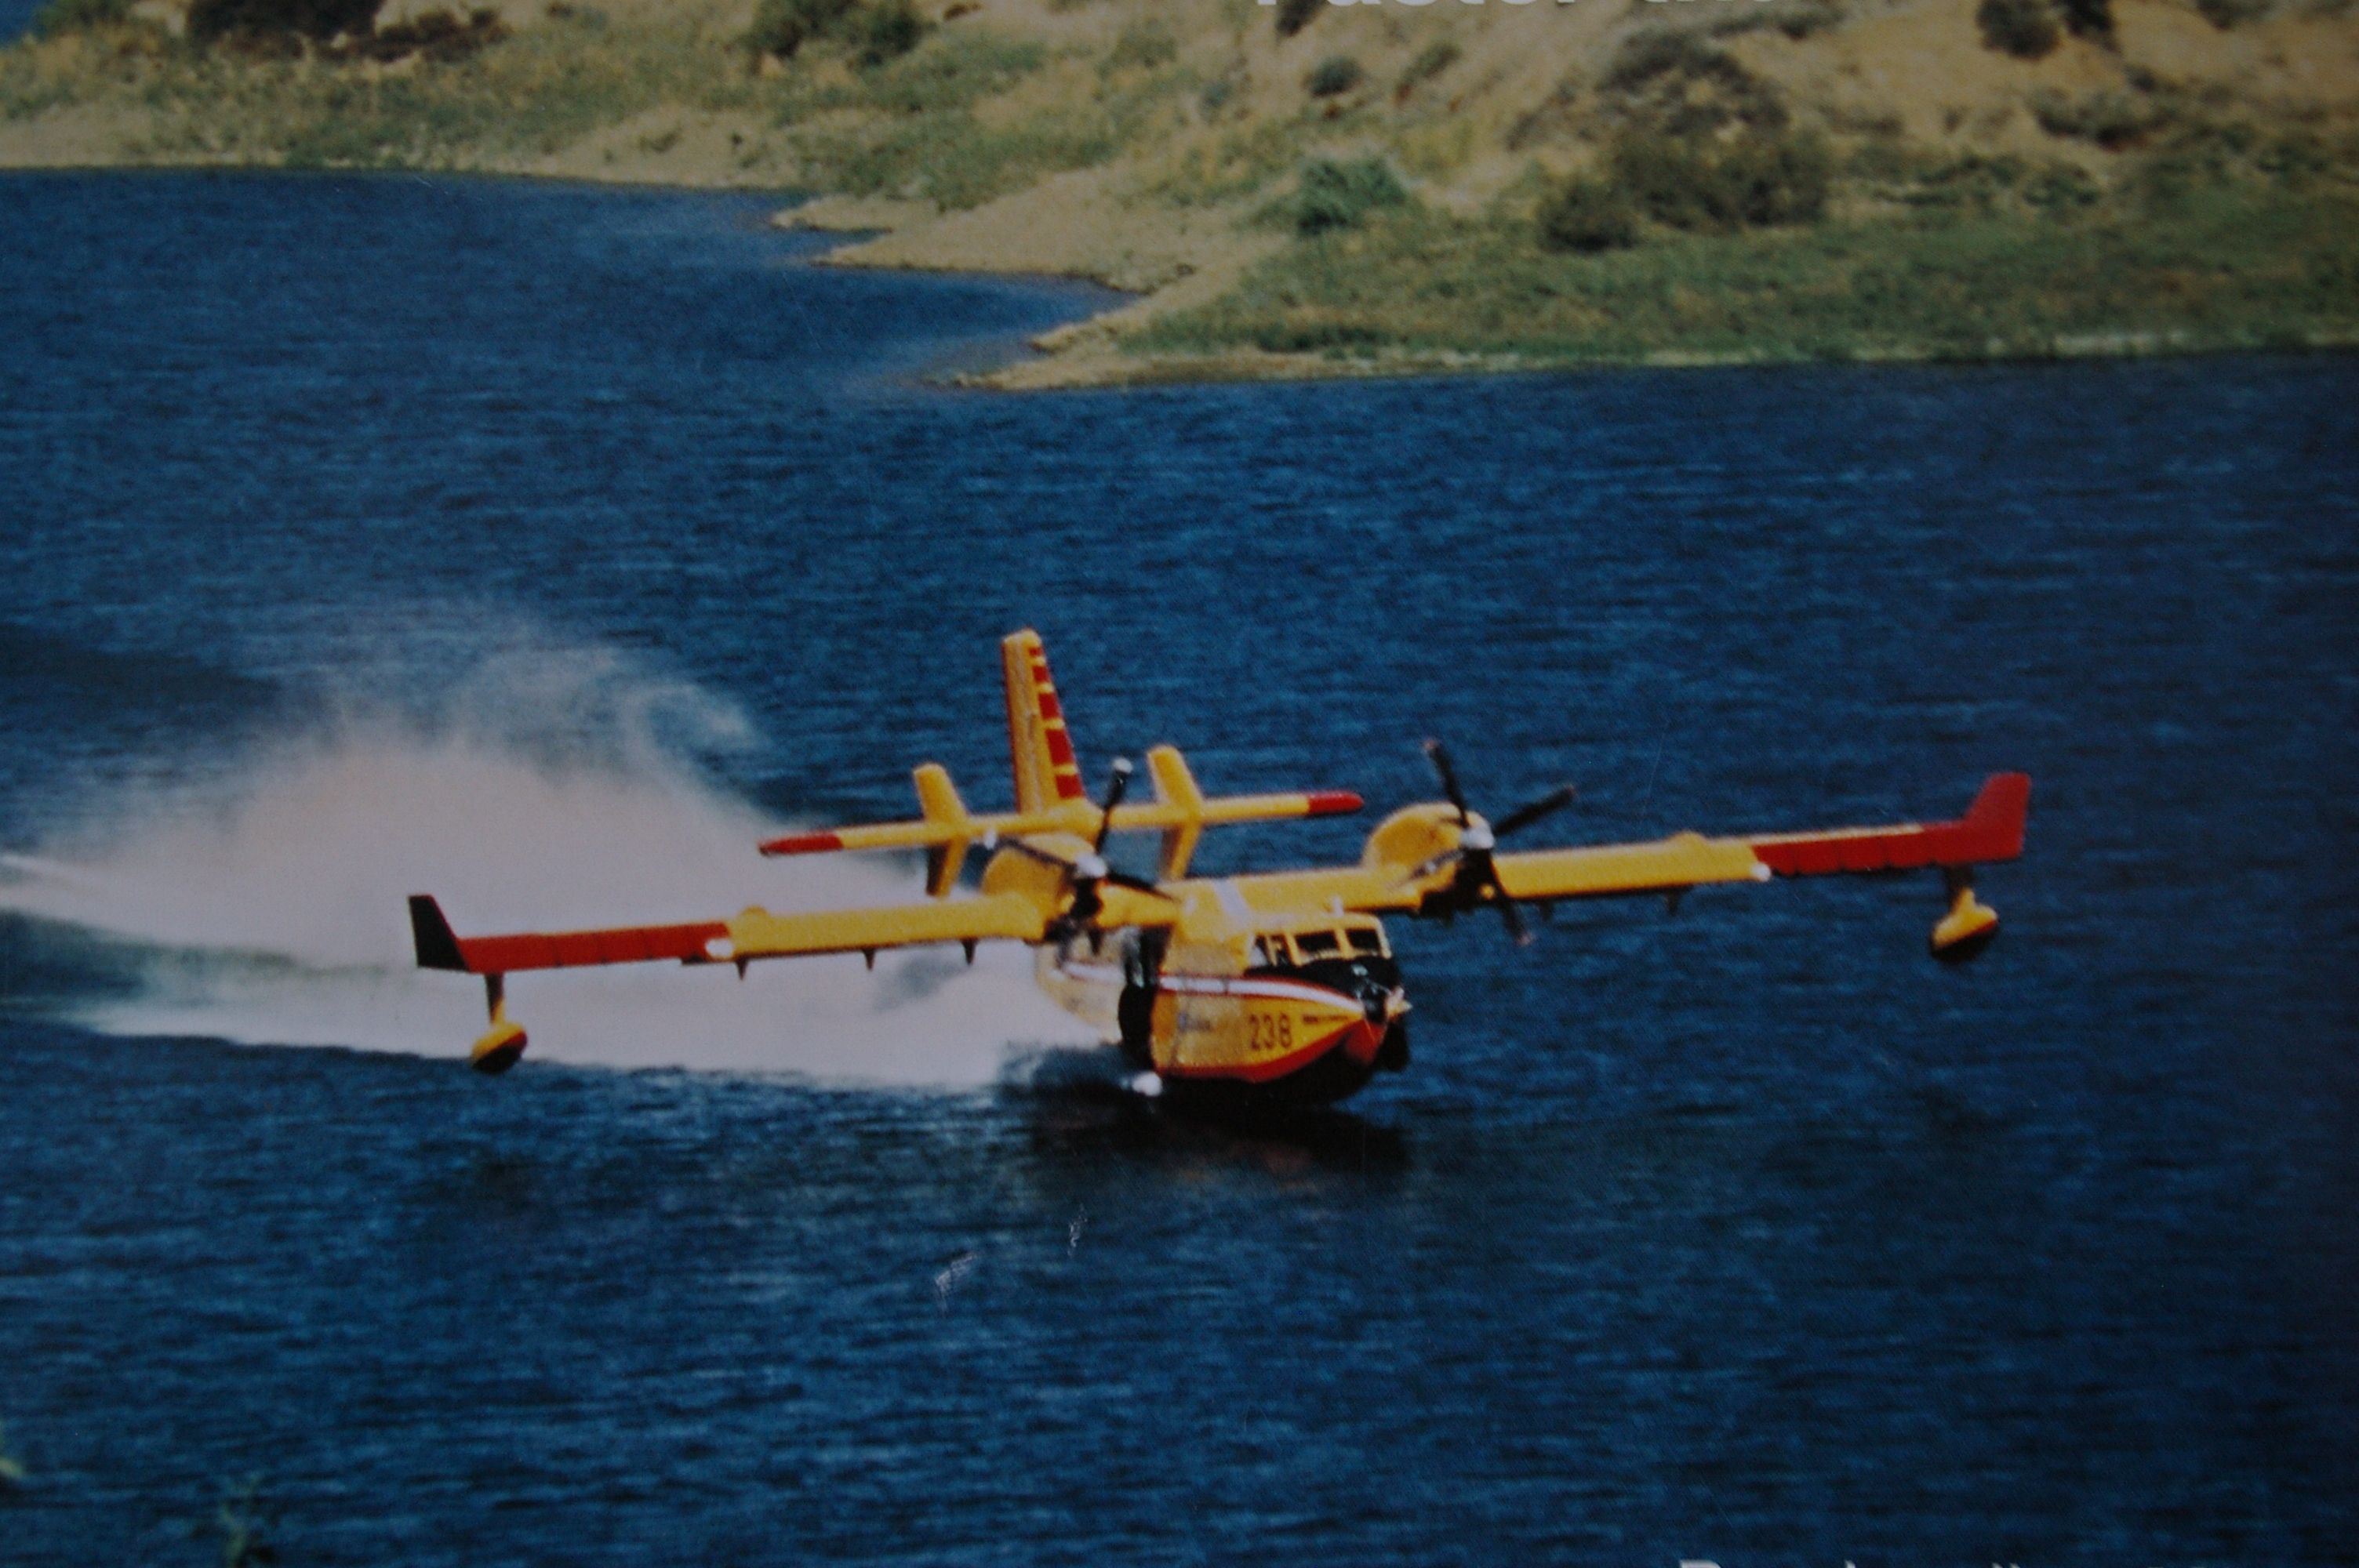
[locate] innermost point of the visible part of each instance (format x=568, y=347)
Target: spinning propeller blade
x=1085, y=874
x=1532, y=811
x=1478, y=871
x=1116, y=787
x=1441, y=761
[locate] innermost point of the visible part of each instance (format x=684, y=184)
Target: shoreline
x=1517, y=192
x=1086, y=354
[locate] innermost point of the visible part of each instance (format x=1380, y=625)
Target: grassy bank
x=581, y=92
x=2226, y=266
x=1309, y=189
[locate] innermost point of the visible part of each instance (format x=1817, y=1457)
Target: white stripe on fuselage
x=1266, y=986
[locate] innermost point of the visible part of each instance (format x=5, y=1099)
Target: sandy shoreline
x=1170, y=159
x=1155, y=271
x=1160, y=266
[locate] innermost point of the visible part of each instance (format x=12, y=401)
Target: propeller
x=1087, y=873
x=1477, y=872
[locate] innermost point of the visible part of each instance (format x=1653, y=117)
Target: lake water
x=543, y=547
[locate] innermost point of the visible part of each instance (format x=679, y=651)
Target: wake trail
x=272, y=911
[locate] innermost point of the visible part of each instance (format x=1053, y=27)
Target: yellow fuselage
x=1231, y=1001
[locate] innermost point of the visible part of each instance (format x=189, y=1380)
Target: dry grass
x=2182, y=186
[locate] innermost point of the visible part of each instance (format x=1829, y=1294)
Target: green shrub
x=969, y=68
x=1588, y=216
x=1431, y=61
x=1144, y=47
x=1293, y=16
x=2296, y=157
x=1769, y=181
x=318, y=19
x=1669, y=181
x=1677, y=85
x=2226, y=13
x=2088, y=18
x=436, y=35
x=1552, y=114
x=1338, y=195
x=62, y=16
x=1756, y=182
x=1809, y=20
x=1316, y=335
x=1644, y=57
x=876, y=31
x=885, y=30
x=2061, y=188
x=782, y=27
x=2024, y=28
x=1335, y=75
x=2111, y=118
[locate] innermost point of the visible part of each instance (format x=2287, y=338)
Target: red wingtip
x=1991, y=829
x=1332, y=803
x=802, y=844
x=1995, y=821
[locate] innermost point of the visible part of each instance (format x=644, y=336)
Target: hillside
x=1314, y=188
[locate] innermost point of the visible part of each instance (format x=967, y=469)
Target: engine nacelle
x=1414, y=835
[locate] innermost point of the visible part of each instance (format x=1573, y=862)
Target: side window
x=1370, y=942
x=1318, y=944
x=1270, y=950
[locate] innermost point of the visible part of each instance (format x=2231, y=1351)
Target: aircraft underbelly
x=1241, y=1030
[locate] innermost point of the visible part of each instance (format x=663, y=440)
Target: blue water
x=541, y=547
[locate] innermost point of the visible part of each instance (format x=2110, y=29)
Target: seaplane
x=1268, y=988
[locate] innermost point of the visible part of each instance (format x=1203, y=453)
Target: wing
x=1412, y=878
x=1991, y=829
x=753, y=933
x=1380, y=887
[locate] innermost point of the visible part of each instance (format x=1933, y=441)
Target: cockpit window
x=1316, y=944
x=1370, y=942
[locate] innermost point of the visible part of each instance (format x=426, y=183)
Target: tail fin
x=430, y=934
x=1038, y=741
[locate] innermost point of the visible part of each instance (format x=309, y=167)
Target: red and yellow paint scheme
x=1276, y=986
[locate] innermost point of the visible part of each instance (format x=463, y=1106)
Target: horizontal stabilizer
x=946, y=823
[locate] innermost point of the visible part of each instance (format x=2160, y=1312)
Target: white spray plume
x=269, y=907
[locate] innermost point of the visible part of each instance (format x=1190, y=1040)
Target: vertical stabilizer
x=1038, y=742
x=1175, y=786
